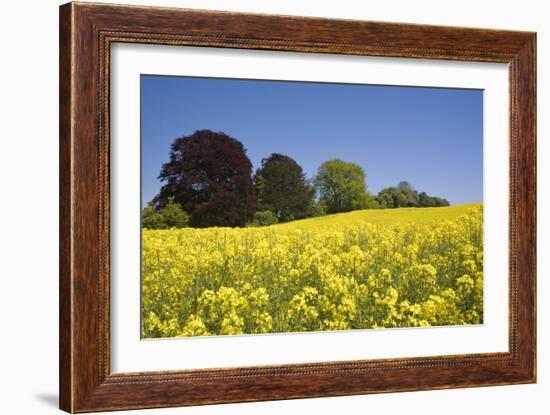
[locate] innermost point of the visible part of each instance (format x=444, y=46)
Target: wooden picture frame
x=86, y=33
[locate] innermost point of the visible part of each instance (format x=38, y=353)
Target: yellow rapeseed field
x=405, y=267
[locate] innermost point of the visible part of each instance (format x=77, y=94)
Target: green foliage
x=392, y=197
x=264, y=218
x=371, y=202
x=404, y=195
x=341, y=186
x=281, y=188
x=364, y=201
x=174, y=216
x=170, y=216
x=431, y=201
x=151, y=219
x=317, y=208
x=408, y=193
x=208, y=182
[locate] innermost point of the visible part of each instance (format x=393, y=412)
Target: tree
x=317, y=208
x=404, y=185
x=409, y=194
x=210, y=176
x=424, y=200
x=404, y=195
x=170, y=216
x=264, y=218
x=174, y=216
x=392, y=197
x=341, y=186
x=151, y=219
x=281, y=188
x=431, y=201
x=439, y=202
x=370, y=202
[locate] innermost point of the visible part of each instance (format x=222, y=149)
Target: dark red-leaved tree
x=210, y=176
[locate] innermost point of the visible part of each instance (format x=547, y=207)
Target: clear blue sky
x=430, y=137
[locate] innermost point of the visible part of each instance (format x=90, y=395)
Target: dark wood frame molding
x=86, y=33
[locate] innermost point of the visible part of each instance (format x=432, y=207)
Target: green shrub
x=174, y=216
x=151, y=219
x=265, y=218
x=170, y=216
x=316, y=209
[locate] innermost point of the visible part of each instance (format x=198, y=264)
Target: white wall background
x=29, y=205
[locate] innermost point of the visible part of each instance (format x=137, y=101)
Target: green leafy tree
x=264, y=218
x=425, y=201
x=370, y=202
x=392, y=197
x=440, y=202
x=317, y=208
x=174, y=216
x=282, y=188
x=410, y=195
x=170, y=216
x=341, y=186
x=151, y=219
x=404, y=195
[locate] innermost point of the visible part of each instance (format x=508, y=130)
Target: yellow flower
x=303, y=276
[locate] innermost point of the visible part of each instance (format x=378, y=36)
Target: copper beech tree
x=210, y=176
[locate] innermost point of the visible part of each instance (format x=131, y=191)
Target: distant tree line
x=404, y=195
x=208, y=181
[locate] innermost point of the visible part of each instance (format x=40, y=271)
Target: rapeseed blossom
x=297, y=277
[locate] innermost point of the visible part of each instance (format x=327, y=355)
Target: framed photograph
x=258, y=207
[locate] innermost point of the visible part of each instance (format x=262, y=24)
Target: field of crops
x=358, y=270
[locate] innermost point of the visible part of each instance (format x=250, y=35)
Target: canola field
x=406, y=267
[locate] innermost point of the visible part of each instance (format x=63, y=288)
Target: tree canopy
x=210, y=176
x=208, y=182
x=281, y=188
x=404, y=195
x=341, y=186
x=170, y=216
x=431, y=201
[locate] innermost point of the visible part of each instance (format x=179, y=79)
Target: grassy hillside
x=382, y=216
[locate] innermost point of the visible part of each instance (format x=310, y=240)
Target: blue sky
x=430, y=137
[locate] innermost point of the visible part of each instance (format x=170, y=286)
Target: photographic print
x=285, y=206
